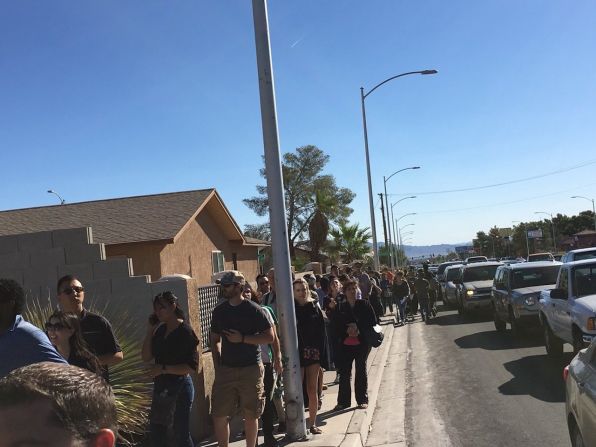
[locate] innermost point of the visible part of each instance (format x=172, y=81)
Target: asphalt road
x=467, y=385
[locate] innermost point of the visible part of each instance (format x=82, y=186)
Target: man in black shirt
x=97, y=331
x=238, y=327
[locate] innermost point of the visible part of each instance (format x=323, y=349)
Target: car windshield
x=584, y=280
x=442, y=268
x=584, y=255
x=484, y=273
x=542, y=257
x=452, y=274
x=536, y=276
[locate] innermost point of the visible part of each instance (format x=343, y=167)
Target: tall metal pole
x=384, y=225
x=295, y=421
x=593, y=208
x=373, y=227
x=391, y=260
x=395, y=246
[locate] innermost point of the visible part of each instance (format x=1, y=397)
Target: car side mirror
x=558, y=294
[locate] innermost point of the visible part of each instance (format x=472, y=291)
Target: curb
x=359, y=426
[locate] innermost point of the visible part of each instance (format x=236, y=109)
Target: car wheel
x=578, y=343
x=500, y=325
x=553, y=344
x=576, y=436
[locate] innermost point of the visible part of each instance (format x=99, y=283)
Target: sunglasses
x=54, y=326
x=262, y=283
x=71, y=290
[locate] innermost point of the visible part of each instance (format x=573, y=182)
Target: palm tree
x=350, y=241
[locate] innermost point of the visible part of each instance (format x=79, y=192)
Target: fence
x=208, y=299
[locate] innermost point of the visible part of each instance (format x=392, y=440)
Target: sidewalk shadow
x=537, y=376
x=330, y=413
x=496, y=341
x=454, y=318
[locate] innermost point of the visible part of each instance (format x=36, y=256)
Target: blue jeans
x=181, y=392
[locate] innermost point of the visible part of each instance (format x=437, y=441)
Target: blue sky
x=114, y=99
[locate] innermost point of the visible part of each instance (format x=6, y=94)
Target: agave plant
x=130, y=384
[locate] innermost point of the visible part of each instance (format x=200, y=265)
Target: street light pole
x=363, y=96
x=394, y=264
x=296, y=423
x=397, y=220
x=391, y=261
x=62, y=201
x=552, y=224
x=593, y=209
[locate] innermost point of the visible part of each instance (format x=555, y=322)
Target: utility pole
x=387, y=248
x=295, y=422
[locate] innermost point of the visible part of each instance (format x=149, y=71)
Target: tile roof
x=114, y=221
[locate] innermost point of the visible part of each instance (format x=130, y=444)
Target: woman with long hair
x=172, y=344
x=351, y=319
x=64, y=331
x=310, y=327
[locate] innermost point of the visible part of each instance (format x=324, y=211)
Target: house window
x=217, y=260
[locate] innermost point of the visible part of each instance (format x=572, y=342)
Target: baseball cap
x=231, y=277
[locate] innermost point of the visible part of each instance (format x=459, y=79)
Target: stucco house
x=189, y=232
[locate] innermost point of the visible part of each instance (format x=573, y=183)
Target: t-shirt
x=98, y=334
x=24, y=344
x=422, y=288
x=179, y=347
x=249, y=319
x=266, y=354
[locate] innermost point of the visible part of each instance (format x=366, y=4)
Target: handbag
x=373, y=335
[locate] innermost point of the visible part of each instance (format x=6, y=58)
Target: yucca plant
x=131, y=386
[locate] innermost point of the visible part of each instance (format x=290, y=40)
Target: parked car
x=440, y=275
x=580, y=402
x=535, y=257
x=448, y=287
x=472, y=259
x=516, y=292
x=568, y=312
x=579, y=254
x=474, y=286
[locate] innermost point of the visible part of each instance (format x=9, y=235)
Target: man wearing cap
x=238, y=327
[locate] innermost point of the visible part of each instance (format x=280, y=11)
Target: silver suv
x=579, y=255
x=516, y=293
x=474, y=286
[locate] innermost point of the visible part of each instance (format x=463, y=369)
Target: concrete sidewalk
x=347, y=428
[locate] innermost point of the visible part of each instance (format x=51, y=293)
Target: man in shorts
x=238, y=327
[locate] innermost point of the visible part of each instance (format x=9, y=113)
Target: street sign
x=534, y=234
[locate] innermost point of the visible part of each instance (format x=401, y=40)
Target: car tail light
x=565, y=373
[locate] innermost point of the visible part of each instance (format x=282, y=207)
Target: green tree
x=350, y=242
x=258, y=231
x=303, y=177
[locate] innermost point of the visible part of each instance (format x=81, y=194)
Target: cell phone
x=153, y=319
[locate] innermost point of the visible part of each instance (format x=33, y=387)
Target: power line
x=506, y=203
x=494, y=185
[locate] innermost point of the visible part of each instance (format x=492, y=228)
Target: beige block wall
x=37, y=260
x=145, y=256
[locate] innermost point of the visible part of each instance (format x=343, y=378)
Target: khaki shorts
x=238, y=387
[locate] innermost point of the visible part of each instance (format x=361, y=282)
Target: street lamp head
x=428, y=72
x=411, y=197
x=51, y=191
x=415, y=167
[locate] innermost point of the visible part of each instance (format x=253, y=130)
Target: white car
x=580, y=402
x=579, y=254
